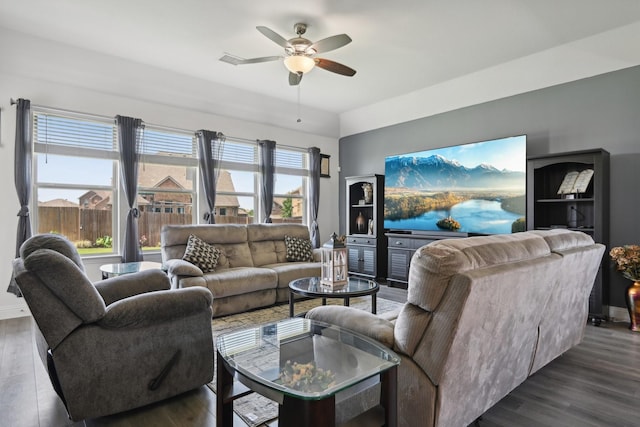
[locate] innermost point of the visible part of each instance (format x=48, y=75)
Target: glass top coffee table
x=311, y=287
x=301, y=364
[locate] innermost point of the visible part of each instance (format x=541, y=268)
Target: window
x=236, y=194
x=290, y=191
x=77, y=189
x=75, y=172
x=167, y=178
x=237, y=185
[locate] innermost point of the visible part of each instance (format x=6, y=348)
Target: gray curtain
x=209, y=155
x=22, y=177
x=129, y=135
x=314, y=194
x=267, y=175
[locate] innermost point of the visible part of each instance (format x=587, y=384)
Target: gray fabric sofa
x=118, y=344
x=252, y=271
x=483, y=314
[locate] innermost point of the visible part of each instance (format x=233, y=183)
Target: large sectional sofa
x=483, y=314
x=252, y=270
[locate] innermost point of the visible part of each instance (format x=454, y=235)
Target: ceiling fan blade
x=273, y=36
x=330, y=43
x=334, y=67
x=295, y=78
x=236, y=60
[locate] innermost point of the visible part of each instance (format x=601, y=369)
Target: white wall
x=59, y=76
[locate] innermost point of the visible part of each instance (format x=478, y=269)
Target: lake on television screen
x=475, y=216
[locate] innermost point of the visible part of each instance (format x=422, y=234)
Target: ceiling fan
x=299, y=53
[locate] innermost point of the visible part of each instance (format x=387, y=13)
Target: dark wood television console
x=400, y=249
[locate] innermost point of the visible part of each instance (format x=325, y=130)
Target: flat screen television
x=475, y=188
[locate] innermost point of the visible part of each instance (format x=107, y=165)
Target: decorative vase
x=633, y=305
x=361, y=223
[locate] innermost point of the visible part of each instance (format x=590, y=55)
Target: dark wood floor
x=595, y=384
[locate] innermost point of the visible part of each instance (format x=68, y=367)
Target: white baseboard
x=13, y=312
x=618, y=314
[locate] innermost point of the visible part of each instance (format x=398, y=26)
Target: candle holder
x=334, y=263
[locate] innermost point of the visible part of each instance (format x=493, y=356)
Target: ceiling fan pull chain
x=299, y=119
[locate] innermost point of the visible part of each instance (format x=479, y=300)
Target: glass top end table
x=118, y=269
x=311, y=287
x=301, y=364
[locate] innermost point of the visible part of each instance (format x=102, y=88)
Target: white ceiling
x=398, y=47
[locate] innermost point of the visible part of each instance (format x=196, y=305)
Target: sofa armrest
x=180, y=267
x=116, y=288
x=156, y=307
x=356, y=320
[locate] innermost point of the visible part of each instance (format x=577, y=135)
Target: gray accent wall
x=597, y=112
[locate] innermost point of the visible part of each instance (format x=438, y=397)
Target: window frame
x=163, y=139
x=46, y=148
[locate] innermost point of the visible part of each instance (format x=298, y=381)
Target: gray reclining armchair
x=118, y=344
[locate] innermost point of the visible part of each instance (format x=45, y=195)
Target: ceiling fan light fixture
x=299, y=63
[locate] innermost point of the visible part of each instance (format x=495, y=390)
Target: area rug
x=254, y=409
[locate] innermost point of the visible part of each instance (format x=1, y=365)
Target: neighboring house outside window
x=167, y=182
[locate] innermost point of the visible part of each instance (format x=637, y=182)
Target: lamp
x=334, y=263
x=299, y=63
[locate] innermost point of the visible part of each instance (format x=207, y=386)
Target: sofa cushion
x=55, y=242
x=289, y=271
x=235, y=255
x=239, y=281
x=298, y=249
x=68, y=282
x=174, y=237
x=560, y=239
x=433, y=265
x=201, y=254
x=275, y=233
x=263, y=252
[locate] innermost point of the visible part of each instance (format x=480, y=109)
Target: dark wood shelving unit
x=366, y=244
x=587, y=212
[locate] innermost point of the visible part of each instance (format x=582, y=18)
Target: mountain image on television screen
x=438, y=173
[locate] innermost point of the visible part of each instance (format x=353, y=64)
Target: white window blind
x=166, y=143
x=239, y=152
x=63, y=134
x=291, y=162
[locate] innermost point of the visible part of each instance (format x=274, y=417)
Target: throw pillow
x=201, y=254
x=298, y=249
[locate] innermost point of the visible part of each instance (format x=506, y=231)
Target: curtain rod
x=96, y=116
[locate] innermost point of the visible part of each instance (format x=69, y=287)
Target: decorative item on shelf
x=361, y=223
x=334, y=263
x=368, y=192
x=370, y=227
x=361, y=202
x=627, y=259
